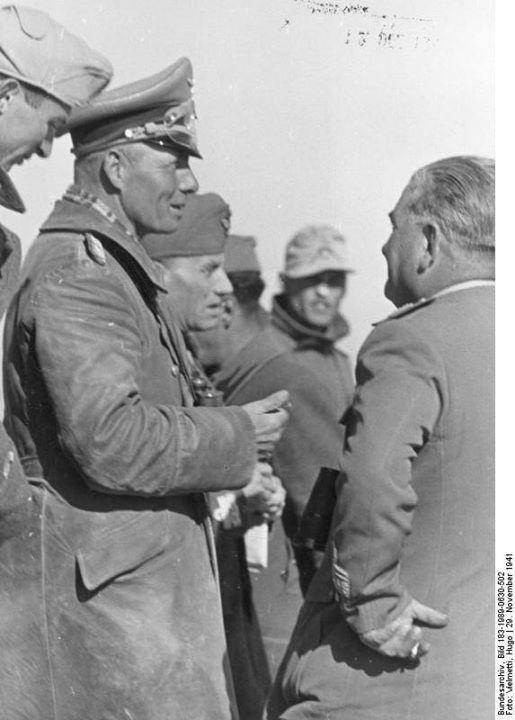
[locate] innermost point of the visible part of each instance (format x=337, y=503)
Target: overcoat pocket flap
x=119, y=551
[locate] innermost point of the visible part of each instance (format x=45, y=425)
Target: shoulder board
x=95, y=249
x=406, y=310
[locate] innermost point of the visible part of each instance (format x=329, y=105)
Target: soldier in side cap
x=295, y=349
x=192, y=258
x=101, y=405
x=198, y=290
x=44, y=72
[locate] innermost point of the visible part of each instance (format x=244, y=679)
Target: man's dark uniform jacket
x=99, y=404
x=292, y=355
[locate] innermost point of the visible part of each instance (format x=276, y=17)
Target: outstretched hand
x=403, y=637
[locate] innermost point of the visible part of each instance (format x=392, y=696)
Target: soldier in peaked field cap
x=314, y=249
x=314, y=277
x=44, y=72
x=40, y=52
x=110, y=423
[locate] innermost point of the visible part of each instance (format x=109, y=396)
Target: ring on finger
x=414, y=651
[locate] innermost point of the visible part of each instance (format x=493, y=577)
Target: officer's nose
x=45, y=147
x=384, y=249
x=223, y=285
x=187, y=181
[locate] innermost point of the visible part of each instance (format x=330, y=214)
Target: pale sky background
x=298, y=122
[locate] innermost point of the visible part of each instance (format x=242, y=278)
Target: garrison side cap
x=202, y=230
x=157, y=108
x=240, y=254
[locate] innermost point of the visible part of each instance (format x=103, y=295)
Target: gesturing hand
x=269, y=416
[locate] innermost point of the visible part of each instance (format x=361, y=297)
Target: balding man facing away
x=410, y=563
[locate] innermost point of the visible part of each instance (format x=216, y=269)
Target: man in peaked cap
x=399, y=620
x=44, y=72
x=198, y=290
x=100, y=403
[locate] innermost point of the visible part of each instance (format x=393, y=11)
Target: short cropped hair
x=247, y=286
x=459, y=194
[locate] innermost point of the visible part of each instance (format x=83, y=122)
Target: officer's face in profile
x=212, y=345
x=316, y=298
x=404, y=251
x=29, y=120
x=198, y=286
x=153, y=183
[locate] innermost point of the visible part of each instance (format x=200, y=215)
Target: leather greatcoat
x=99, y=403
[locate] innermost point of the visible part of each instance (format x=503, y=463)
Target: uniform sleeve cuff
x=374, y=614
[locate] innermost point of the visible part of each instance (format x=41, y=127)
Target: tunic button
x=175, y=371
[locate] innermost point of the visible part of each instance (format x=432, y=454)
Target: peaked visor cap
x=202, y=230
x=41, y=53
x=158, y=109
x=240, y=254
x=314, y=249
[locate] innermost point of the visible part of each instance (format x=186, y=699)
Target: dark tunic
x=305, y=362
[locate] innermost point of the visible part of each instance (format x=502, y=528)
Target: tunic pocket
x=121, y=550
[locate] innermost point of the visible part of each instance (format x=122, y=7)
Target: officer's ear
x=9, y=90
x=114, y=167
x=430, y=246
